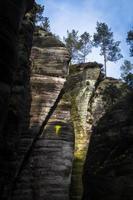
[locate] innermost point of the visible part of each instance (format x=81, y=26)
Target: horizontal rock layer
x=47, y=174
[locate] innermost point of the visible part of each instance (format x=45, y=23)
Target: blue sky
x=82, y=15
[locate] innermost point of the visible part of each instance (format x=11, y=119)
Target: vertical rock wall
x=101, y=110
x=49, y=67
x=47, y=174
x=11, y=89
x=11, y=15
x=108, y=165
x=82, y=83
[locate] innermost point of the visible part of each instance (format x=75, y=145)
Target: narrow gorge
x=66, y=130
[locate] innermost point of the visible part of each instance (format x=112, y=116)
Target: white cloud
x=65, y=16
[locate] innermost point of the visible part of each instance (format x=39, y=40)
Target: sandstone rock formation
x=82, y=82
x=98, y=105
x=88, y=110
x=108, y=166
x=47, y=174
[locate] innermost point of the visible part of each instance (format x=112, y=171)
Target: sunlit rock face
x=82, y=84
x=47, y=174
x=49, y=67
x=101, y=113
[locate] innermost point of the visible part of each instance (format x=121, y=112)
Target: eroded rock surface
x=101, y=112
x=108, y=167
x=82, y=83
x=47, y=173
x=94, y=112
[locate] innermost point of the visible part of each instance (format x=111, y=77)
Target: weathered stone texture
x=99, y=109
x=49, y=54
x=82, y=84
x=49, y=66
x=108, y=93
x=47, y=174
x=108, y=166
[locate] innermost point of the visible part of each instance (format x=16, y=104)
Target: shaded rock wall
x=108, y=165
x=11, y=15
x=11, y=92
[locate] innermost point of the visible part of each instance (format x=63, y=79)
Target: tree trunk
x=84, y=58
x=105, y=64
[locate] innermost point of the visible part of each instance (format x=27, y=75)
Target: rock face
x=11, y=15
x=101, y=113
x=93, y=111
x=108, y=165
x=11, y=89
x=49, y=67
x=82, y=85
x=47, y=174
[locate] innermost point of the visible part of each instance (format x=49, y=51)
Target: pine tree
x=130, y=41
x=127, y=72
x=109, y=49
x=41, y=22
x=38, y=9
x=85, y=46
x=72, y=42
x=46, y=24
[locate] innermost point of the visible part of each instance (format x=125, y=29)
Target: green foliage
x=71, y=42
x=130, y=41
x=85, y=46
x=129, y=80
x=126, y=68
x=40, y=21
x=126, y=72
x=114, y=52
x=103, y=38
x=78, y=47
x=46, y=24
x=38, y=10
x=111, y=93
